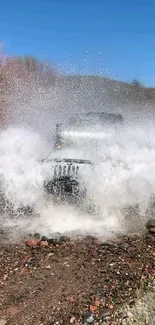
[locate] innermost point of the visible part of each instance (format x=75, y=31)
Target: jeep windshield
x=93, y=118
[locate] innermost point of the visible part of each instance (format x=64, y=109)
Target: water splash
x=123, y=176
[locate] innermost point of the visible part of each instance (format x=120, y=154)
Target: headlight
x=58, y=146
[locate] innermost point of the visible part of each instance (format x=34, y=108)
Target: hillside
x=87, y=93
x=104, y=90
x=26, y=81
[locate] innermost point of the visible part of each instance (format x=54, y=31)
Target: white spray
x=124, y=172
x=123, y=176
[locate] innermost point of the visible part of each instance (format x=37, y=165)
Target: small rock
x=131, y=249
x=129, y=315
x=88, y=318
x=72, y=320
x=152, y=230
x=50, y=254
x=105, y=244
x=29, y=263
x=43, y=243
x=37, y=235
x=91, y=237
x=64, y=239
x=124, y=315
x=3, y=321
x=150, y=224
x=44, y=238
x=105, y=313
x=147, y=320
x=13, y=310
x=97, y=302
x=32, y=242
x=125, y=245
x=23, y=270
x=92, y=308
x=53, y=241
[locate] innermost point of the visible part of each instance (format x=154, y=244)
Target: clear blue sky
x=114, y=38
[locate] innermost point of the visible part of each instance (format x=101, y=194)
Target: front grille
x=65, y=170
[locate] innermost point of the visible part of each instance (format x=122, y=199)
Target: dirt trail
x=80, y=282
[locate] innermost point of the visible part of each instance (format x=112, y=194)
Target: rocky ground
x=60, y=281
